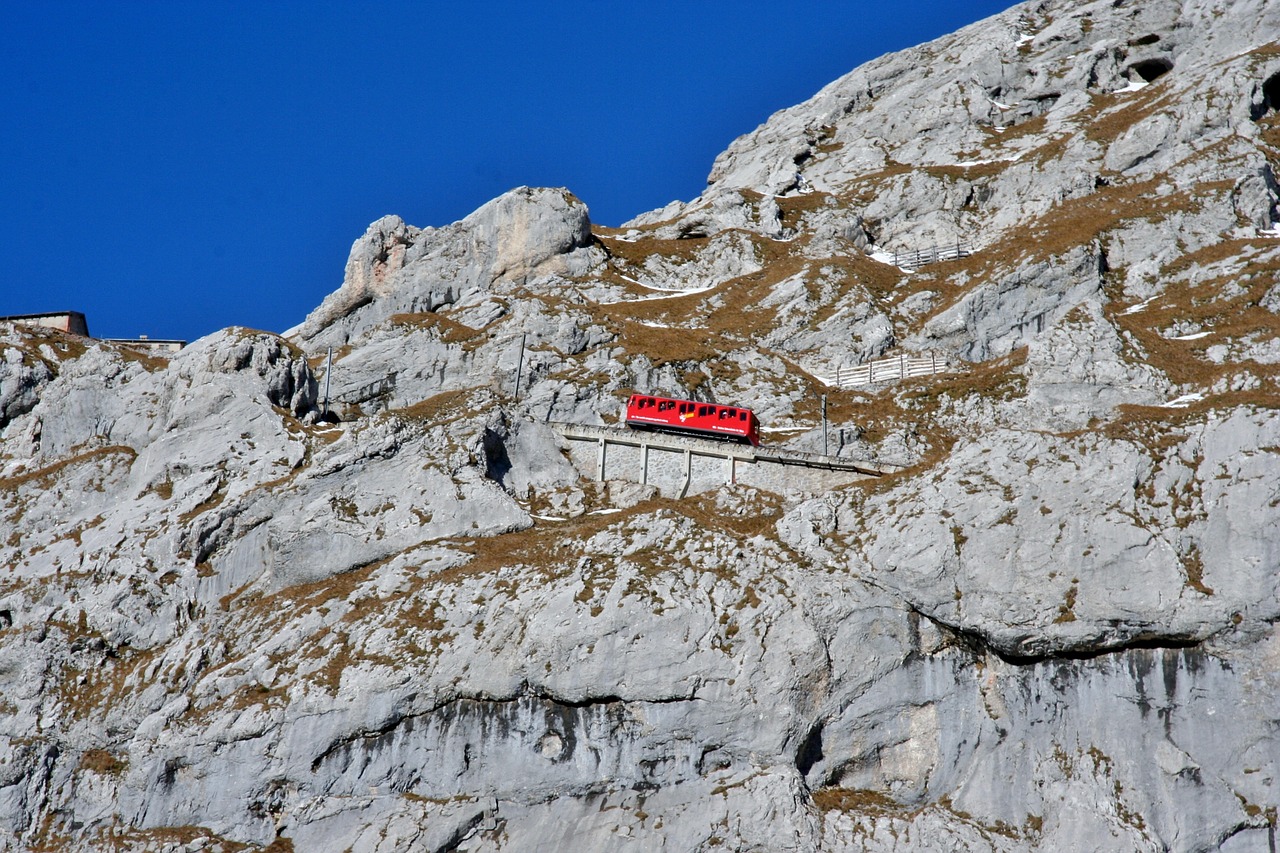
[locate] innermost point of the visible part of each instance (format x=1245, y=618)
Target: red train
x=664, y=414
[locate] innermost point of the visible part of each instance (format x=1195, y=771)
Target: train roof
x=694, y=402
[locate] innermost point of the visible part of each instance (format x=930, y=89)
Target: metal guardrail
x=889, y=370
x=916, y=258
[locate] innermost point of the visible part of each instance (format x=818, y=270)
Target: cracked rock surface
x=251, y=599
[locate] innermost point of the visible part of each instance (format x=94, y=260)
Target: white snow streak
x=1183, y=401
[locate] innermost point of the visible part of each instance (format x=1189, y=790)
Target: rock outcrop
x=398, y=269
x=252, y=600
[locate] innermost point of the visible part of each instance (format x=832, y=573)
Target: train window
x=704, y=411
x=742, y=416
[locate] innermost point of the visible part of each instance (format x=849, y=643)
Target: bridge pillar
x=600, y=452
x=644, y=464
x=688, y=474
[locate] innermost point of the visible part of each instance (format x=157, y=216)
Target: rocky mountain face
x=229, y=623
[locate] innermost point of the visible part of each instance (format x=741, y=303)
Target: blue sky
x=171, y=169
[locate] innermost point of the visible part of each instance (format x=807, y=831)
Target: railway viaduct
x=679, y=466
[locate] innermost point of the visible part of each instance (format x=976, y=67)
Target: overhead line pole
x=520, y=366
x=328, y=369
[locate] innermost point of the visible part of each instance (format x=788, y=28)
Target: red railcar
x=735, y=423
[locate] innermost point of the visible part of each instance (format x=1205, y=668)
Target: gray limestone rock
x=994, y=319
x=396, y=269
x=229, y=622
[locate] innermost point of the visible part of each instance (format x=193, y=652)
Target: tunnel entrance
x=1151, y=69
x=1271, y=93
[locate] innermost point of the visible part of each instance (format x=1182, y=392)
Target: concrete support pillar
x=600, y=452
x=730, y=470
x=688, y=474
x=644, y=464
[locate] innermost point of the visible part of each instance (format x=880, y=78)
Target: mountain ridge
x=228, y=623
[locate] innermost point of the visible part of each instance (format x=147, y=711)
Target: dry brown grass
x=102, y=762
x=1029, y=127
x=918, y=402
x=1072, y=223
x=884, y=283
x=1269, y=130
x=149, y=362
x=122, y=839
x=705, y=325
x=794, y=207
x=104, y=688
x=212, y=502
x=448, y=331
x=1227, y=319
x=857, y=801
x=43, y=475
x=1113, y=114
x=671, y=346
x=974, y=172
x=445, y=407
x=65, y=346
x=636, y=252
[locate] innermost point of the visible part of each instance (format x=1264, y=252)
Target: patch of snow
x=1193, y=337
x=1136, y=308
x=603, y=511
x=1133, y=86
x=1273, y=231
x=1026, y=40
x=885, y=258
x=667, y=293
x=966, y=163
x=1184, y=401
x=673, y=292
x=653, y=325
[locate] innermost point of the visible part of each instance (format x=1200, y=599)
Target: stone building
x=64, y=321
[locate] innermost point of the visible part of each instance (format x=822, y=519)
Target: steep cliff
x=228, y=622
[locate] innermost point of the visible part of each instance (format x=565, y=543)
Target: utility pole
x=520, y=367
x=824, y=424
x=328, y=369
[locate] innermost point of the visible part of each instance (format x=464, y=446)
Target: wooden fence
x=916, y=258
x=889, y=370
